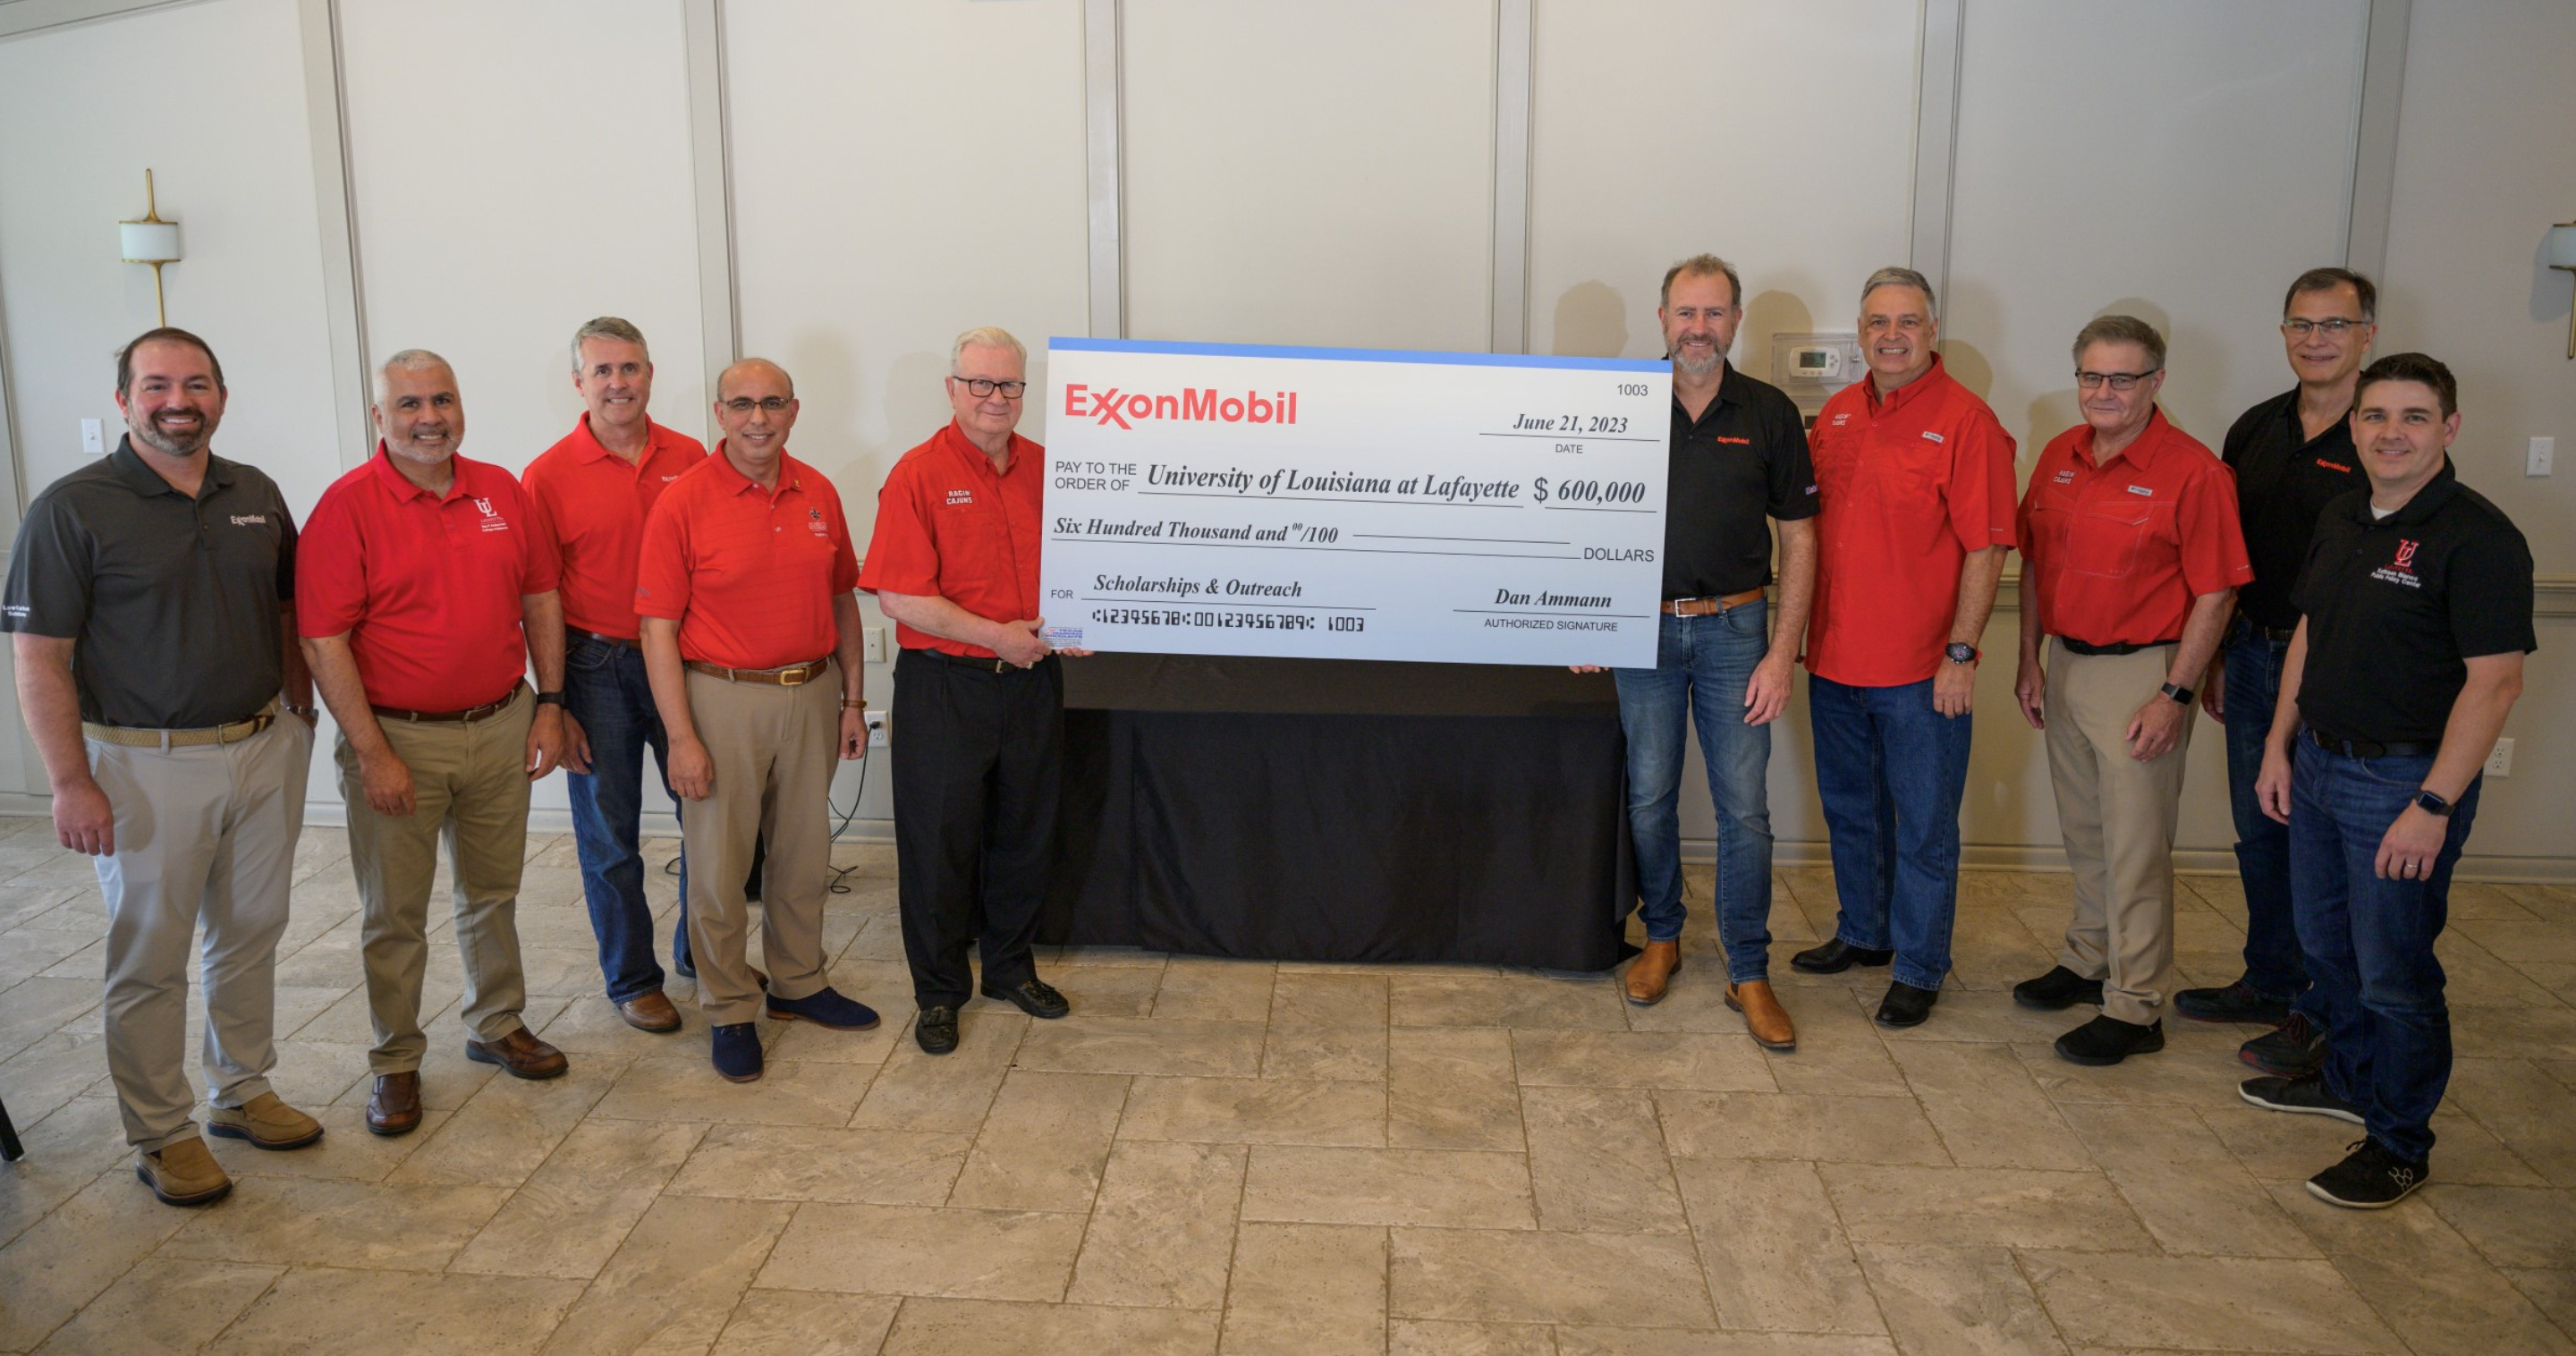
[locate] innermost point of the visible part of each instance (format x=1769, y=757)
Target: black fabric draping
x=1332, y=810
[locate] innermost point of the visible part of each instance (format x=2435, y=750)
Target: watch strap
x=2182, y=695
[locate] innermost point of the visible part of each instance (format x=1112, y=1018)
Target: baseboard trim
x=1698, y=852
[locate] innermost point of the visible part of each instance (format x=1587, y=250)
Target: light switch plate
x=93, y=438
x=2543, y=452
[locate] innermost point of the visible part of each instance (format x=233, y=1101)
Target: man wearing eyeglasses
x=590, y=493
x=978, y=693
x=752, y=644
x=1916, y=479
x=2132, y=559
x=2292, y=454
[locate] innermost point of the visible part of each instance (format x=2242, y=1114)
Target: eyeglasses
x=2333, y=329
x=2120, y=381
x=766, y=405
x=980, y=387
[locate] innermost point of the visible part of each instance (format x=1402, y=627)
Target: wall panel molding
x=2374, y=150
x=1513, y=78
x=343, y=299
x=711, y=162
x=1936, y=140
x=1104, y=104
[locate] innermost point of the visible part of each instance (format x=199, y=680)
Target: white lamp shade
x=149, y=242
x=2562, y=246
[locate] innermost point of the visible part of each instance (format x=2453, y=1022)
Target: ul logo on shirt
x=2405, y=554
x=814, y=521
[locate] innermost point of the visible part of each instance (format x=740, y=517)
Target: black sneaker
x=2369, y=1178
x=2296, y=1050
x=2238, y=1002
x=2059, y=988
x=2307, y=1095
x=2108, y=1040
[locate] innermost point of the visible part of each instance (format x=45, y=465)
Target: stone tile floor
x=1249, y=1157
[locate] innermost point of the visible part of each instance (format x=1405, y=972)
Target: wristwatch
x=2182, y=695
x=854, y=703
x=2432, y=804
x=1960, y=652
x=550, y=699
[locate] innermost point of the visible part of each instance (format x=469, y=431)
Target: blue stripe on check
x=1357, y=355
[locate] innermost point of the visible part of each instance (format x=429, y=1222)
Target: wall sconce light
x=2562, y=254
x=151, y=241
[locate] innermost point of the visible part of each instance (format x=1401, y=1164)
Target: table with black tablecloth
x=1336, y=810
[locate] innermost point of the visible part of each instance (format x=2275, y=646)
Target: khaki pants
x=2118, y=816
x=774, y=750
x=470, y=786
x=205, y=836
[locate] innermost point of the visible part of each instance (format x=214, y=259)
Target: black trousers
x=978, y=771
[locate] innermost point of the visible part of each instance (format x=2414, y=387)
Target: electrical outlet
x=93, y=438
x=875, y=639
x=877, y=721
x=2500, y=762
x=2543, y=452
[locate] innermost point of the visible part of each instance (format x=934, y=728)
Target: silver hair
x=409, y=360
x=608, y=327
x=985, y=336
x=1894, y=276
x=2122, y=329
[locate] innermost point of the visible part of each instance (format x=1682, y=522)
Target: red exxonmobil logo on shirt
x=1205, y=405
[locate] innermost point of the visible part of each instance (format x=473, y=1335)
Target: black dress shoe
x=2059, y=988
x=2238, y=1002
x=2108, y=1040
x=1033, y=996
x=1906, y=1005
x=936, y=1030
x=1836, y=956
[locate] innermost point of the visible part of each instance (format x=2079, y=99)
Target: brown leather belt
x=466, y=716
x=1701, y=607
x=621, y=642
x=791, y=675
x=134, y=737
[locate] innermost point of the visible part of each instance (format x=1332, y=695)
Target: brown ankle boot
x=1652, y=972
x=1763, y=1015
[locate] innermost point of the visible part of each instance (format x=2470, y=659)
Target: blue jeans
x=1890, y=771
x=605, y=689
x=2369, y=941
x=2273, y=966
x=1701, y=667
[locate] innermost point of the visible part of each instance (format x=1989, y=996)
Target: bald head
x=726, y=381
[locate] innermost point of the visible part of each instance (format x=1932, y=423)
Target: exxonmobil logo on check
x=1201, y=405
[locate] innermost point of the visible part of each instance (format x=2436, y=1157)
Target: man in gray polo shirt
x=150, y=596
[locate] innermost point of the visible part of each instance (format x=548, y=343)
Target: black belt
x=467, y=716
x=2363, y=748
x=980, y=663
x=621, y=642
x=2278, y=635
x=2124, y=647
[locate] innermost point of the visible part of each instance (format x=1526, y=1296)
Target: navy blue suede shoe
x=824, y=1008
x=737, y=1052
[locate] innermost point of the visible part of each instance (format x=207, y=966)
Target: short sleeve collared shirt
x=427, y=587
x=949, y=525
x=1911, y=484
x=590, y=505
x=172, y=603
x=1743, y=458
x=2284, y=480
x=2118, y=551
x=749, y=574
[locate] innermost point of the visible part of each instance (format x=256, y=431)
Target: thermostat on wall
x=1811, y=367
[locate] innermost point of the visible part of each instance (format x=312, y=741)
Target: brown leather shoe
x=1763, y=1015
x=520, y=1055
x=1652, y=972
x=650, y=1012
x=394, y=1107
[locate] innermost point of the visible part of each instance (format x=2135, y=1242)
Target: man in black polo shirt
x=151, y=595
x=2417, y=603
x=1738, y=453
x=2291, y=454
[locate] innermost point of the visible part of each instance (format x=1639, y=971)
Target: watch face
x=1961, y=654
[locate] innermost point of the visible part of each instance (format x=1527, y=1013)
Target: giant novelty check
x=1354, y=504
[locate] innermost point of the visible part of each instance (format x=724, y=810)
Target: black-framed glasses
x=2119, y=381
x=980, y=387
x=766, y=404
x=2332, y=329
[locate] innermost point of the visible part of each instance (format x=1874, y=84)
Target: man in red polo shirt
x=2131, y=560
x=1916, y=479
x=423, y=596
x=978, y=694
x=750, y=633
x=590, y=493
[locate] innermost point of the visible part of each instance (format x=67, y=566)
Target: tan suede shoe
x=1652, y=972
x=184, y=1172
x=1763, y=1015
x=266, y=1121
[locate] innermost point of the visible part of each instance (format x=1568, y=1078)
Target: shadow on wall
x=1591, y=322
x=1777, y=311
